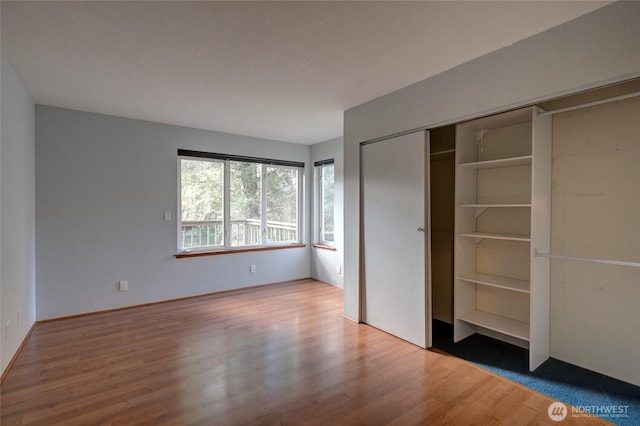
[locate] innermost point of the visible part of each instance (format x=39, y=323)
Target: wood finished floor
x=280, y=354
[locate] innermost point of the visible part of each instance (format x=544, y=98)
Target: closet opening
x=442, y=194
x=497, y=224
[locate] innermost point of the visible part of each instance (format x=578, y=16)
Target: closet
x=496, y=268
x=554, y=281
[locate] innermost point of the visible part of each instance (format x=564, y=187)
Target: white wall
x=595, y=49
x=17, y=217
x=324, y=263
x=102, y=186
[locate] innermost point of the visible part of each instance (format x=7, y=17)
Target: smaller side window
x=326, y=202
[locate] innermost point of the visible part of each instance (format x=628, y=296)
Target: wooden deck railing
x=244, y=232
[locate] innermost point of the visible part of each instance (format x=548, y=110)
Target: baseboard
x=15, y=355
x=124, y=308
x=349, y=318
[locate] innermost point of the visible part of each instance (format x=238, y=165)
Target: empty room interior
x=320, y=212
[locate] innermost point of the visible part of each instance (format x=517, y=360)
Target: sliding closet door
x=395, y=243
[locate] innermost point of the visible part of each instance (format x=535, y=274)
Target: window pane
x=327, y=203
x=246, y=190
x=201, y=189
x=282, y=203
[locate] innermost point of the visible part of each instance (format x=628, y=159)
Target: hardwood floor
x=280, y=354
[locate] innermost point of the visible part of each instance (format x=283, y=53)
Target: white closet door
x=395, y=239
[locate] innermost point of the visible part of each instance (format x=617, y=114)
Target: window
x=282, y=207
x=246, y=203
x=230, y=201
x=202, y=202
x=325, y=173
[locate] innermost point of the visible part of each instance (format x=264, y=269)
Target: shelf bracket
x=482, y=135
x=480, y=211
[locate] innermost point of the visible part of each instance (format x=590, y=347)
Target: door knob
x=421, y=229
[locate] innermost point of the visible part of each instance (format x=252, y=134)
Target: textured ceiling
x=276, y=70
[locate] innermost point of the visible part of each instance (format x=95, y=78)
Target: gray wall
x=324, y=263
x=102, y=186
x=595, y=49
x=17, y=217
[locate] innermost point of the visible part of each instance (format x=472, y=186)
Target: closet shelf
x=491, y=236
x=497, y=281
x=506, y=326
x=502, y=162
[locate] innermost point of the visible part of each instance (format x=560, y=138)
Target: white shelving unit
x=503, y=211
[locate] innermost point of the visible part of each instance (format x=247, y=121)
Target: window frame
x=226, y=159
x=320, y=201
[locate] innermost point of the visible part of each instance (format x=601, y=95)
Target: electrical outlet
x=6, y=330
x=19, y=317
x=167, y=216
x=123, y=285
x=339, y=269
x=252, y=269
